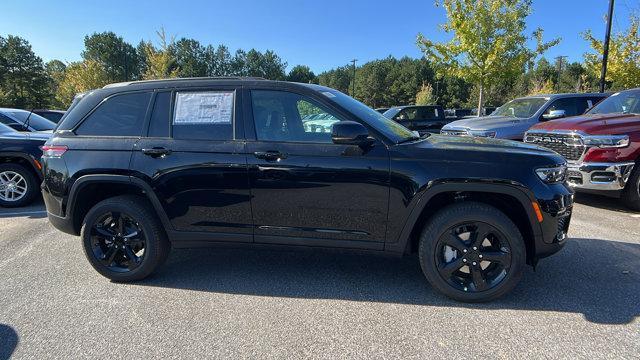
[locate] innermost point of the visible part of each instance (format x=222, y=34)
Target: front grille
x=570, y=146
x=454, y=132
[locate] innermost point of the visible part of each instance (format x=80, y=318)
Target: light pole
x=353, y=84
x=605, y=52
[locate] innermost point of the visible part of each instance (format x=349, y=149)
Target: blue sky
x=322, y=34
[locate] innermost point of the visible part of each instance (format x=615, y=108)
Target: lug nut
x=464, y=260
x=480, y=256
x=475, y=248
x=464, y=250
x=474, y=263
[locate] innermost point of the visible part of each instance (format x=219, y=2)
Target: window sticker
x=203, y=108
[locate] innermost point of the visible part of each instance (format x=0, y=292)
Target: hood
x=484, y=123
x=25, y=135
x=596, y=124
x=485, y=150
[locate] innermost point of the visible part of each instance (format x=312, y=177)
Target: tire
x=141, y=217
x=25, y=179
x=631, y=192
x=502, y=234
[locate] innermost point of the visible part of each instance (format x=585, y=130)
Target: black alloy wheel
x=473, y=256
x=123, y=238
x=118, y=241
x=472, y=252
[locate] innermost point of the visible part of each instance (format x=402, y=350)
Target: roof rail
x=126, y=83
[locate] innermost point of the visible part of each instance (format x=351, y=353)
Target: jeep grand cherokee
x=137, y=168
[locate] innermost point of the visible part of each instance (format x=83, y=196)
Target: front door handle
x=270, y=155
x=156, y=152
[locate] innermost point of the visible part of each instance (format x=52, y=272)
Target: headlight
x=607, y=141
x=490, y=134
x=552, y=175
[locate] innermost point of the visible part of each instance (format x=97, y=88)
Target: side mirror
x=554, y=114
x=350, y=133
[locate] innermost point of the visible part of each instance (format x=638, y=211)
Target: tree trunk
x=481, y=100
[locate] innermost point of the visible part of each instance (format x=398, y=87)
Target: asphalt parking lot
x=230, y=303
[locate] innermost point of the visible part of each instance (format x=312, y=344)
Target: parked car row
x=602, y=146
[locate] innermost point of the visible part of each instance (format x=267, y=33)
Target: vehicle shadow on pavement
x=8, y=341
x=597, y=278
x=602, y=202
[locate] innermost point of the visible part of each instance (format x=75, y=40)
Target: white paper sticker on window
x=203, y=108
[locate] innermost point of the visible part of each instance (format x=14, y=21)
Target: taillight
x=54, y=151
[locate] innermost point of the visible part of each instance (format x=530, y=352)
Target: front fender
x=515, y=190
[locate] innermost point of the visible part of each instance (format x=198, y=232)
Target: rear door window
x=120, y=115
x=159, y=125
x=203, y=115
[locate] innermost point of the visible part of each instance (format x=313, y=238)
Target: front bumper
x=599, y=176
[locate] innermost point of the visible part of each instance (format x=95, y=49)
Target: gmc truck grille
x=570, y=146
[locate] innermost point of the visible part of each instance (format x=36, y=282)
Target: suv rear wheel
x=123, y=239
x=18, y=185
x=472, y=252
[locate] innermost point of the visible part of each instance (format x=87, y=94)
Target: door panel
x=201, y=183
x=319, y=191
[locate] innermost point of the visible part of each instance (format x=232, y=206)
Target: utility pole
x=353, y=84
x=559, y=65
x=605, y=52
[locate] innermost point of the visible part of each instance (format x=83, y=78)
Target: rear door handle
x=156, y=152
x=270, y=155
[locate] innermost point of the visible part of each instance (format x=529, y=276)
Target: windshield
x=520, y=108
x=626, y=102
x=391, y=129
x=5, y=129
x=36, y=122
x=389, y=114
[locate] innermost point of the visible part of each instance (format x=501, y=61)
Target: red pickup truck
x=602, y=147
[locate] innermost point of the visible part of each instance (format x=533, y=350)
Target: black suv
x=420, y=118
x=20, y=168
x=137, y=168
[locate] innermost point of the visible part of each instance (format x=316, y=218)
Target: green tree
x=190, y=57
x=338, y=78
x=301, y=74
x=425, y=95
x=80, y=77
x=56, y=71
x=119, y=59
x=24, y=83
x=488, y=41
x=160, y=62
x=623, y=67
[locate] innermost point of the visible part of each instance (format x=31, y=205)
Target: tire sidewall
x=459, y=214
x=32, y=185
x=151, y=255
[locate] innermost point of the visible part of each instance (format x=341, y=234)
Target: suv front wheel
x=123, y=239
x=472, y=252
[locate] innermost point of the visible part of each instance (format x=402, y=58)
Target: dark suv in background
x=420, y=118
x=137, y=168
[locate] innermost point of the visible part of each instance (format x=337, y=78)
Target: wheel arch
x=509, y=198
x=88, y=190
x=23, y=159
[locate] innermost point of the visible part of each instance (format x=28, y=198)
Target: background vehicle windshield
x=626, y=102
x=5, y=129
x=389, y=114
x=37, y=122
x=520, y=108
x=389, y=128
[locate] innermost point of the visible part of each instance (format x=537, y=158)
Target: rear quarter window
x=119, y=115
